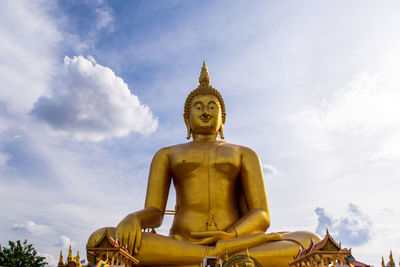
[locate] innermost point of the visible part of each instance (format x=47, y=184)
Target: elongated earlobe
x=189, y=130
x=221, y=131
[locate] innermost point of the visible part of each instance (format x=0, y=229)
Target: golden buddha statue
x=221, y=204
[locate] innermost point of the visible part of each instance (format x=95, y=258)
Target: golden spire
x=70, y=253
x=60, y=261
x=78, y=260
x=382, y=262
x=204, y=76
x=391, y=261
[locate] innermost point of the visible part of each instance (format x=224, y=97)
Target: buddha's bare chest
x=196, y=159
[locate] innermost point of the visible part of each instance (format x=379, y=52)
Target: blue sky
x=90, y=90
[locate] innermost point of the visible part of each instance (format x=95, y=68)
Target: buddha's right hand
x=129, y=232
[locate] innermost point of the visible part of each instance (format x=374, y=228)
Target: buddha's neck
x=204, y=137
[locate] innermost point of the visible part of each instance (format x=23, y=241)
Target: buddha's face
x=205, y=115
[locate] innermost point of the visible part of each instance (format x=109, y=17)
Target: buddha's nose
x=205, y=115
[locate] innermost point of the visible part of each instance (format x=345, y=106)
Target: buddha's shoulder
x=170, y=150
x=237, y=148
x=175, y=147
x=244, y=150
x=179, y=148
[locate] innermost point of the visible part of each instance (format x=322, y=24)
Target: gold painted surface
x=221, y=203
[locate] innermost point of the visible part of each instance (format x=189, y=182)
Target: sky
x=90, y=90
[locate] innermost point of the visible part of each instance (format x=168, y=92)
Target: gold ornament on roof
x=60, y=261
x=70, y=253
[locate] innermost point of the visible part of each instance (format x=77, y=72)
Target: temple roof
x=327, y=245
x=71, y=261
x=359, y=264
x=107, y=244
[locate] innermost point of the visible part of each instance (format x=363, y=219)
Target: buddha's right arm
x=157, y=191
x=158, y=184
x=129, y=230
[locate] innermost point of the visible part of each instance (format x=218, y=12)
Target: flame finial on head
x=204, y=76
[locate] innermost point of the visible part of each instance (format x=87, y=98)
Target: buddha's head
x=204, y=111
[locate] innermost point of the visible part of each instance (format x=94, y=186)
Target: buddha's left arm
x=257, y=219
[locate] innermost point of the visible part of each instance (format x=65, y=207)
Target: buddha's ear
x=189, y=131
x=221, y=131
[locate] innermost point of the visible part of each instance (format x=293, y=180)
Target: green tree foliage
x=18, y=255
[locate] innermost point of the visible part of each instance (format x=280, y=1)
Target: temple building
x=71, y=261
x=322, y=253
x=106, y=250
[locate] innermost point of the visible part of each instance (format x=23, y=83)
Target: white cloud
x=92, y=103
x=105, y=18
x=64, y=242
x=32, y=228
x=3, y=161
x=350, y=143
x=50, y=259
x=3, y=124
x=28, y=44
x=269, y=169
x=365, y=115
x=353, y=229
